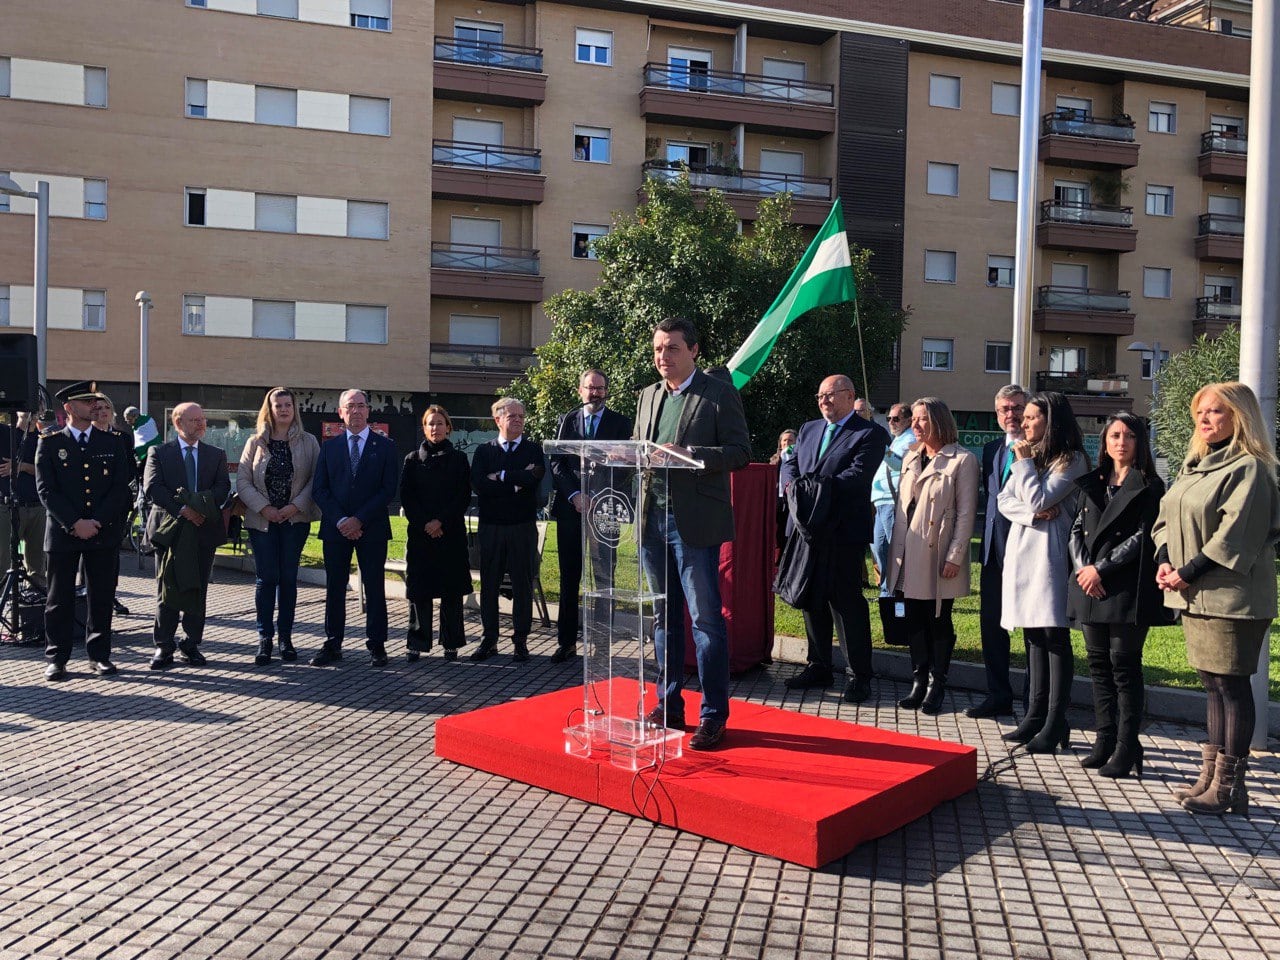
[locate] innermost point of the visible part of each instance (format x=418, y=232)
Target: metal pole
x=1261, y=284
x=40, y=324
x=144, y=310
x=1028, y=175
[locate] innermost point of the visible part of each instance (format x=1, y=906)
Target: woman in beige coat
x=273, y=482
x=1215, y=560
x=928, y=564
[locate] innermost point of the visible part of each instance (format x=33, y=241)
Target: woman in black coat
x=1113, y=597
x=435, y=491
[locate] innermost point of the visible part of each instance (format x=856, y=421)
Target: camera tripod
x=16, y=577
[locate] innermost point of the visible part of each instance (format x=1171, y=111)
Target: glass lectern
x=623, y=482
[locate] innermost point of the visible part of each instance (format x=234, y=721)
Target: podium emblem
x=610, y=512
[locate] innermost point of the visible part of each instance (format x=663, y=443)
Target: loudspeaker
x=18, y=372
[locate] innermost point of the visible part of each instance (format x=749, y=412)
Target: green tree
x=681, y=254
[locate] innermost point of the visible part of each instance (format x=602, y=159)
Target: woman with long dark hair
x=1215, y=542
x=1036, y=499
x=1113, y=597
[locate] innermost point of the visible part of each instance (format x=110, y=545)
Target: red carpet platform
x=796, y=787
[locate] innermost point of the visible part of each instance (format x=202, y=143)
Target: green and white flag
x=824, y=276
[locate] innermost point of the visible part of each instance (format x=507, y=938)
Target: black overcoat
x=435, y=484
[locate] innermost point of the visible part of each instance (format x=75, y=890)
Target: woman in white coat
x=1036, y=499
x=928, y=563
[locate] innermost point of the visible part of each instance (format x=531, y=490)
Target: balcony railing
x=504, y=56
x=1220, y=224
x=1083, y=384
x=1082, y=299
x=1213, y=141
x=477, y=356
x=479, y=256
x=1092, y=214
x=725, y=82
x=1077, y=123
x=1216, y=308
x=460, y=153
x=704, y=176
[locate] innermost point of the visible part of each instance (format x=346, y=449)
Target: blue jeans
x=882, y=539
x=693, y=577
x=276, y=552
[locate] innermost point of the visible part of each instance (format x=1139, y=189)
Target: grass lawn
x=1164, y=657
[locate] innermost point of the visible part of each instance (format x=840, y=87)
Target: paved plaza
x=235, y=811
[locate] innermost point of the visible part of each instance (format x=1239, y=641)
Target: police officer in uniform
x=82, y=478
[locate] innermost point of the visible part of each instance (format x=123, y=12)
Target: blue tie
x=355, y=454
x=190, y=454
x=826, y=439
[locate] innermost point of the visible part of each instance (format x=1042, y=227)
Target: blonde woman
x=1215, y=561
x=274, y=483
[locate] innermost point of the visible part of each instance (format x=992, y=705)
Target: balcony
x=1090, y=394
x=482, y=171
x=1082, y=310
x=744, y=189
x=1086, y=226
x=1220, y=237
x=472, y=271
x=483, y=72
x=467, y=367
x=1223, y=156
x=721, y=99
x=1214, y=316
x=1071, y=138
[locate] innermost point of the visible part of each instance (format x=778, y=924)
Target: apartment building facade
x=328, y=192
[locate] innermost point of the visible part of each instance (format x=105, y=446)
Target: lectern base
x=629, y=744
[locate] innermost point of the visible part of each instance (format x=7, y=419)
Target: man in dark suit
x=83, y=481
x=997, y=458
x=844, y=450
x=698, y=416
x=505, y=474
x=178, y=473
x=591, y=421
x=355, y=479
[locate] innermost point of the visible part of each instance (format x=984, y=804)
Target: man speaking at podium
x=700, y=417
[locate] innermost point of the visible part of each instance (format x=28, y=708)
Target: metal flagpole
x=1028, y=173
x=862, y=353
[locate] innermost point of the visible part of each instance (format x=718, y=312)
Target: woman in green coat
x=1215, y=554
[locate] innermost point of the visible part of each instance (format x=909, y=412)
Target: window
x=1063, y=360
x=594, y=46
x=95, y=310
x=4, y=197
x=4, y=76
x=1006, y=99
x=366, y=220
x=95, y=86
x=277, y=214
x=197, y=3
x=477, y=42
x=591, y=144
x=944, y=91
x=943, y=179
x=95, y=199
x=1004, y=185
x=935, y=354
x=4, y=305
x=474, y=331
x=940, y=266
x=370, y=115
x=371, y=14
x=197, y=98
x=584, y=235
x=1147, y=357
x=285, y=9
x=195, y=207
x=999, y=271
x=366, y=324
x=273, y=319
x=193, y=316
x=276, y=106
x=1074, y=108
x=1157, y=282
x=1162, y=117
x=999, y=356
x=1159, y=200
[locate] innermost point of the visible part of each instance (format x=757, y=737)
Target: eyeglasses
x=896, y=419
x=828, y=397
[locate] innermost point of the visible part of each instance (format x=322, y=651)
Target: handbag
x=895, y=620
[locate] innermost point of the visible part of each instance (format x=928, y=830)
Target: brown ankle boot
x=1209, y=752
x=1226, y=792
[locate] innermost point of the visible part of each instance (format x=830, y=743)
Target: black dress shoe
x=162, y=660
x=989, y=708
x=191, y=654
x=55, y=672
x=119, y=607
x=326, y=656
x=564, y=654
x=707, y=736
x=450, y=654
x=484, y=652
x=412, y=655
x=857, y=690
x=378, y=657
x=521, y=654
x=287, y=651
x=103, y=668
x=810, y=678
x=659, y=718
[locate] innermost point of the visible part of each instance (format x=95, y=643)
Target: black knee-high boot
x=918, y=643
x=1056, y=731
x=942, y=643
x=1097, y=643
x=1131, y=698
x=1037, y=693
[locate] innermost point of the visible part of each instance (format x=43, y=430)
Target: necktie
x=355, y=454
x=84, y=440
x=190, y=455
x=1008, y=464
x=826, y=439
x=506, y=446
x=591, y=425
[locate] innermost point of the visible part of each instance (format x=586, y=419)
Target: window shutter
x=95, y=86
x=276, y=106
x=287, y=9
x=370, y=115
x=95, y=310
x=278, y=214
x=366, y=324
x=368, y=220
x=371, y=8
x=273, y=319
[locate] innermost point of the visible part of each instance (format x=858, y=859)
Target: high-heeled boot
x=1130, y=701
x=1209, y=758
x=263, y=656
x=1037, y=696
x=942, y=647
x=918, y=643
x=1104, y=704
x=1056, y=732
x=1226, y=792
